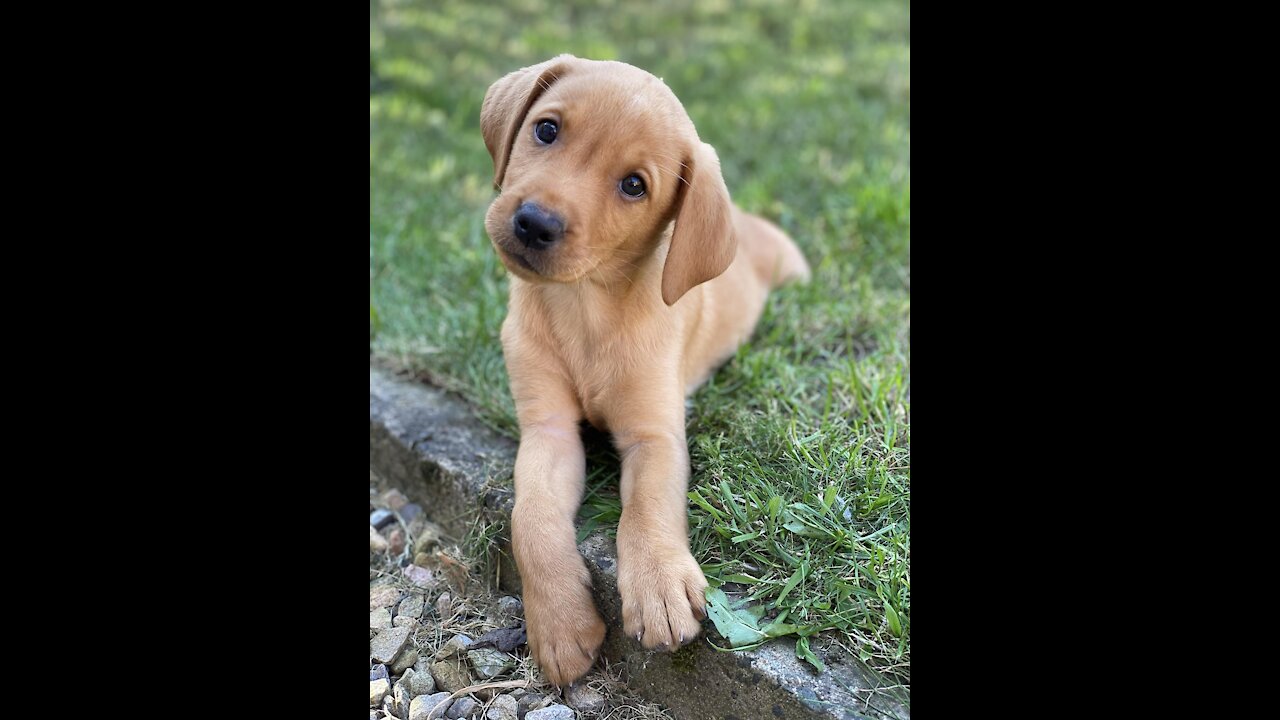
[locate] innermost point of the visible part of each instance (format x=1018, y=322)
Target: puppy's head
x=593, y=160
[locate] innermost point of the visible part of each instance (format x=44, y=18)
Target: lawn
x=800, y=497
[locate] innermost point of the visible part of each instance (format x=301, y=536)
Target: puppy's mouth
x=520, y=261
x=517, y=259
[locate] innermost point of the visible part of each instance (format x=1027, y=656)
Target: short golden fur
x=615, y=323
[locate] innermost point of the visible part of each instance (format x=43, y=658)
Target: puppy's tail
x=774, y=256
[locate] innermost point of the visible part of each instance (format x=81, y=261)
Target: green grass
x=800, y=498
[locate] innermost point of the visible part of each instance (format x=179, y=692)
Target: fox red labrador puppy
x=632, y=277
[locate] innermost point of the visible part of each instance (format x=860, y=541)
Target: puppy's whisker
x=674, y=174
x=675, y=160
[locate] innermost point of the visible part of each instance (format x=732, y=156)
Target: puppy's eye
x=545, y=131
x=632, y=186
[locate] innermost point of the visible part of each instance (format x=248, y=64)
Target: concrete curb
x=427, y=442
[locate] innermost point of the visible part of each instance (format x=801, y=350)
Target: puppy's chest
x=599, y=372
x=608, y=365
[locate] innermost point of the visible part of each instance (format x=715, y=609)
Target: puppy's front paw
x=565, y=631
x=662, y=596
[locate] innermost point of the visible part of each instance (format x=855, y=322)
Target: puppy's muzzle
x=537, y=228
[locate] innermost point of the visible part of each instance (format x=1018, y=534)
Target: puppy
x=632, y=277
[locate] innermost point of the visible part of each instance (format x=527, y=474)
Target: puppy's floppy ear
x=508, y=101
x=703, y=244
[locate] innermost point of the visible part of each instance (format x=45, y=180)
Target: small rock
x=529, y=702
x=517, y=693
x=420, y=706
x=377, y=543
x=376, y=715
x=490, y=663
x=420, y=576
x=505, y=639
x=388, y=643
x=400, y=701
x=510, y=605
x=428, y=538
x=411, y=606
x=457, y=644
x=581, y=697
x=394, y=499
x=381, y=518
x=406, y=621
x=388, y=705
x=383, y=596
x=552, y=712
x=380, y=619
x=396, y=541
x=405, y=661
x=504, y=707
x=409, y=512
x=450, y=675
x=421, y=683
x=461, y=708
x=444, y=606
x=415, y=528
x=377, y=671
x=378, y=689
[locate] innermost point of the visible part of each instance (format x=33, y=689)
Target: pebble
x=421, y=705
x=428, y=538
x=553, y=712
x=377, y=543
x=387, y=644
x=504, y=707
x=530, y=702
x=378, y=689
x=381, y=518
x=461, y=708
x=405, y=661
x=421, y=683
x=397, y=541
x=490, y=663
x=411, y=606
x=420, y=576
x=387, y=706
x=510, y=605
x=444, y=606
x=400, y=700
x=383, y=596
x=380, y=619
x=450, y=675
x=394, y=499
x=377, y=671
x=457, y=643
x=409, y=512
x=581, y=697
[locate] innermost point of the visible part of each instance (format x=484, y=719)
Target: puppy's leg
x=660, y=583
x=565, y=631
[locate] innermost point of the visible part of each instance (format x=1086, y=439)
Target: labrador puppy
x=632, y=277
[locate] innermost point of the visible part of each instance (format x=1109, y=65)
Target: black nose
x=537, y=228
